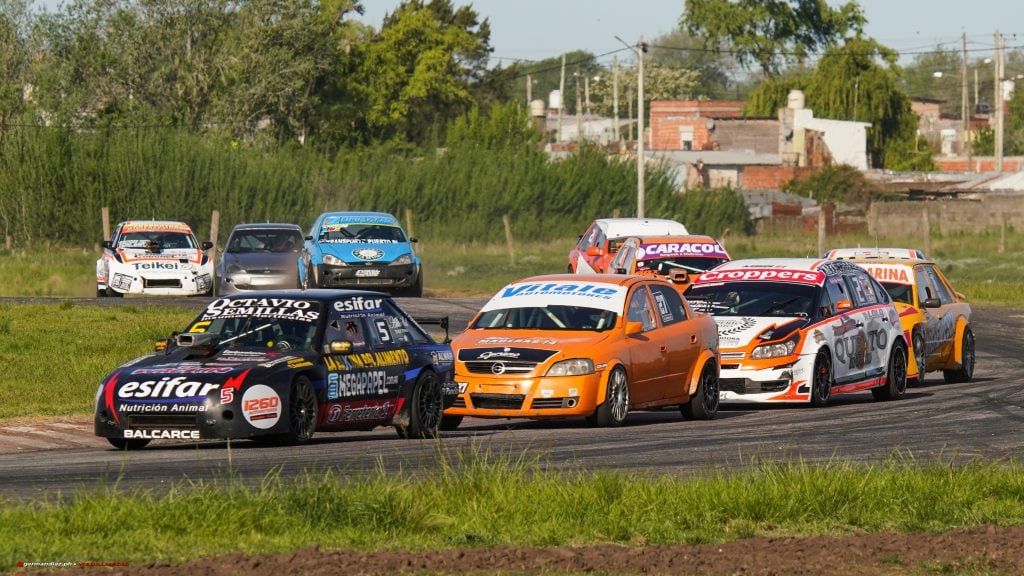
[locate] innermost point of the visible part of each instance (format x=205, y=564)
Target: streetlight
x=639, y=50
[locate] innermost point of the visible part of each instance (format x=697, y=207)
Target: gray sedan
x=260, y=257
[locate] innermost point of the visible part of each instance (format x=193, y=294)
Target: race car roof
x=796, y=270
x=619, y=227
x=154, y=225
x=601, y=291
x=873, y=253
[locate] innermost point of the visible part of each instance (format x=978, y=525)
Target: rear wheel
x=821, y=380
x=965, y=373
x=416, y=290
x=128, y=443
x=101, y=292
x=449, y=423
x=895, y=377
x=919, y=355
x=114, y=293
x=615, y=408
x=703, y=405
x=426, y=408
x=302, y=412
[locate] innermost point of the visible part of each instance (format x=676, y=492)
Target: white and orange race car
x=801, y=330
x=154, y=257
x=936, y=318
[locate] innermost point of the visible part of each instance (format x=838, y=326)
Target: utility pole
x=965, y=113
x=586, y=93
x=615, y=98
x=579, y=109
x=561, y=99
x=640, y=193
x=999, y=102
x=529, y=90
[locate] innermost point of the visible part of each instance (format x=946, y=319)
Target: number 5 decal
x=382, y=329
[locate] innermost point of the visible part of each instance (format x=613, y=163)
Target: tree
x=937, y=75
x=841, y=183
x=15, y=20
x=771, y=32
x=680, y=49
x=418, y=69
x=849, y=83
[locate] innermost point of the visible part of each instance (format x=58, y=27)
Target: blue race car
x=368, y=250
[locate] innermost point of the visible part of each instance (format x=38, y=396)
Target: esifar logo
x=368, y=254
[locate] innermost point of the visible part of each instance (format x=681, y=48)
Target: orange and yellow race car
x=935, y=318
x=592, y=345
x=662, y=256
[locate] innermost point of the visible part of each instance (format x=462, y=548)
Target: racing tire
x=449, y=423
x=312, y=278
x=101, y=293
x=895, y=376
x=128, y=443
x=919, y=355
x=613, y=411
x=302, y=413
x=965, y=373
x=821, y=379
x=114, y=293
x=426, y=408
x=703, y=405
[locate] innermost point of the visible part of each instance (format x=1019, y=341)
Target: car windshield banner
x=651, y=251
x=588, y=295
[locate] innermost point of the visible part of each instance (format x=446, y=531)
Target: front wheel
x=449, y=423
x=426, y=408
x=965, y=373
x=703, y=405
x=821, y=380
x=895, y=377
x=128, y=443
x=615, y=408
x=302, y=412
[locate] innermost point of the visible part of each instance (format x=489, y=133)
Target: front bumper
x=785, y=382
x=544, y=397
x=361, y=275
x=133, y=282
x=243, y=282
x=180, y=422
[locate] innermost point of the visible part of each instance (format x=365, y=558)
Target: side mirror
x=620, y=270
x=413, y=240
x=634, y=328
x=932, y=303
x=679, y=277
x=595, y=251
x=339, y=347
x=207, y=245
x=310, y=238
x=106, y=244
x=844, y=305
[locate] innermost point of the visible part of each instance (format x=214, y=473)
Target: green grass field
x=479, y=499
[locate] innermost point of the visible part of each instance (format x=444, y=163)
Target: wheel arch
x=701, y=361
x=962, y=325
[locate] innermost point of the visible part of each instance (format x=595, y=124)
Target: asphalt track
x=950, y=423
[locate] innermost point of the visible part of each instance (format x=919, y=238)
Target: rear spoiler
x=441, y=321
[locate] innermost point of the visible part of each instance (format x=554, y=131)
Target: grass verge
x=473, y=498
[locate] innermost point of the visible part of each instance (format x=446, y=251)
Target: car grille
x=733, y=355
x=460, y=402
x=162, y=421
x=161, y=282
x=487, y=367
x=498, y=401
x=542, y=403
x=746, y=386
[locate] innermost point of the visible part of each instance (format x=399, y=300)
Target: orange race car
x=597, y=246
x=662, y=255
x=591, y=345
x=935, y=318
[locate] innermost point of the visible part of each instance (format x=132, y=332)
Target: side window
x=624, y=258
x=880, y=291
x=837, y=290
x=924, y=290
x=867, y=288
x=861, y=289
x=669, y=304
x=402, y=330
x=640, y=309
x=347, y=327
x=588, y=238
x=940, y=288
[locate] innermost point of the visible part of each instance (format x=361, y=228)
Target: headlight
x=572, y=367
x=402, y=260
x=333, y=260
x=775, y=350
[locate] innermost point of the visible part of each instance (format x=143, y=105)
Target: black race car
x=279, y=366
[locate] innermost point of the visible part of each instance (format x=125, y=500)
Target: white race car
x=157, y=257
x=801, y=330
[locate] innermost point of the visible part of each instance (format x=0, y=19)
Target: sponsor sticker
x=762, y=274
x=668, y=249
x=283, y=308
x=601, y=296
x=261, y=406
x=162, y=434
x=359, y=304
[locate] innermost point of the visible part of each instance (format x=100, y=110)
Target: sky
x=539, y=29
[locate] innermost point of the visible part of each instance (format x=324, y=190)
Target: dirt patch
x=986, y=549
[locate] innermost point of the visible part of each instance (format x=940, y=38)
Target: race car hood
x=177, y=379
x=260, y=261
x=738, y=332
x=359, y=252
x=532, y=346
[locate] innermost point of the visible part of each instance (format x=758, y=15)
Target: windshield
x=368, y=233
x=255, y=332
x=754, y=299
x=278, y=241
x=664, y=266
x=156, y=241
x=899, y=292
x=552, y=317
